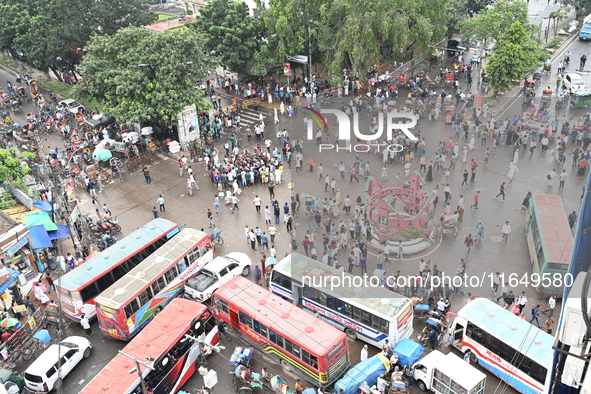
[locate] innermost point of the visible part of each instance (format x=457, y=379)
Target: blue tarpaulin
x=366, y=371
x=408, y=352
x=13, y=275
x=61, y=233
x=39, y=237
x=42, y=205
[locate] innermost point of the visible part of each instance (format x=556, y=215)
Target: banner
x=297, y=59
x=75, y=214
x=286, y=69
x=477, y=101
x=188, y=124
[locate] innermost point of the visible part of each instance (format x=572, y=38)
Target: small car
x=72, y=105
x=48, y=371
x=216, y=273
x=573, y=83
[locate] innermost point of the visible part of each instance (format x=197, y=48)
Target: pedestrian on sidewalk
x=160, y=201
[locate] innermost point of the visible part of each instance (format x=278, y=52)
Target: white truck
x=448, y=374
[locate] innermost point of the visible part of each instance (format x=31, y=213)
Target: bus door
x=234, y=321
x=296, y=294
x=457, y=333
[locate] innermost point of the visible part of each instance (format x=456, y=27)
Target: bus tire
x=156, y=312
x=473, y=358
x=286, y=365
x=351, y=334
x=422, y=385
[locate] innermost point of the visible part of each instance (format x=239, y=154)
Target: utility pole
x=309, y=52
x=138, y=370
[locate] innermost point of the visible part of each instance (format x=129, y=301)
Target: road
x=133, y=199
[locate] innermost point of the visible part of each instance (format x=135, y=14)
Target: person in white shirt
x=506, y=230
x=364, y=353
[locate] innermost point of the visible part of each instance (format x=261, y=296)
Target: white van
x=442, y=373
x=49, y=370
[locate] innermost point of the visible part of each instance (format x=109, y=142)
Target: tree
x=494, y=21
x=231, y=33
x=140, y=75
x=515, y=55
x=582, y=7
x=358, y=33
x=558, y=15
x=12, y=170
x=459, y=10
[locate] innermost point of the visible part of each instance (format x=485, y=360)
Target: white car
x=72, y=105
x=573, y=82
x=49, y=370
x=216, y=273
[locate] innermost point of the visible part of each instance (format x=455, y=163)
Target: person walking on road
x=160, y=201
x=535, y=315
x=476, y=200
x=210, y=218
x=85, y=324
x=468, y=242
x=155, y=213
x=572, y=219
x=550, y=176
x=222, y=330
x=521, y=302
x=501, y=191
x=551, y=306
x=506, y=230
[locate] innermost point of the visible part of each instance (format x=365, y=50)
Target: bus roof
x=377, y=298
x=515, y=331
x=153, y=341
x=280, y=315
x=154, y=266
x=122, y=250
x=555, y=232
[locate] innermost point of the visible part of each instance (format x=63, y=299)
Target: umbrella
x=270, y=261
x=8, y=323
x=102, y=154
x=52, y=152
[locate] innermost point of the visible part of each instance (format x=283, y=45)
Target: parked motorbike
x=111, y=240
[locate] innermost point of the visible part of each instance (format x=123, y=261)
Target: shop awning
x=13, y=275
x=61, y=233
x=39, y=237
x=42, y=205
x=40, y=218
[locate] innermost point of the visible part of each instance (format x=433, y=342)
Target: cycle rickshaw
x=448, y=225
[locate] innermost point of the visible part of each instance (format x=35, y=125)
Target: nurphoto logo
x=395, y=121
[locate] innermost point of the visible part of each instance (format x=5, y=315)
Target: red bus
x=163, y=341
x=79, y=287
x=299, y=341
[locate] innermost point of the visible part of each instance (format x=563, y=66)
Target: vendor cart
x=241, y=355
x=530, y=112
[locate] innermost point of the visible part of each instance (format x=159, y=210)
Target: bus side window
x=309, y=292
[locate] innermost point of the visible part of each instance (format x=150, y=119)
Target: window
x=356, y=314
x=523, y=363
x=70, y=353
x=181, y=265
x=331, y=303
x=280, y=341
x=348, y=310
x=272, y=336
x=145, y=297
x=492, y=344
x=309, y=359
x=155, y=288
x=222, y=305
x=538, y=372
x=171, y=274
x=288, y=346
x=131, y=308
x=322, y=298
x=309, y=292
x=506, y=352
x=204, y=250
x=52, y=371
x=281, y=280
x=296, y=351
x=365, y=317
x=264, y=331
x=242, y=317
x=192, y=256
x=232, y=267
x=104, y=282
x=557, y=267
x=223, y=272
x=334, y=351
x=256, y=326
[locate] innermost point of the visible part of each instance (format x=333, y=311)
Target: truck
x=585, y=33
x=448, y=374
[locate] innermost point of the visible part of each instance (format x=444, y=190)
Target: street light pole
x=309, y=51
x=138, y=370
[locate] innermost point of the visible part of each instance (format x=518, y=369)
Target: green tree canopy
x=51, y=32
x=12, y=170
x=140, y=75
x=231, y=33
x=515, y=56
x=358, y=33
x=493, y=22
x=582, y=7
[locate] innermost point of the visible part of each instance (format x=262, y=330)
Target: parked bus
x=370, y=313
x=550, y=243
x=516, y=351
x=165, y=347
x=79, y=287
x=131, y=302
x=300, y=342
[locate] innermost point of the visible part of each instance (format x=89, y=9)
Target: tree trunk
x=56, y=73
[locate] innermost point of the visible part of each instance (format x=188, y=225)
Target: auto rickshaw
x=580, y=99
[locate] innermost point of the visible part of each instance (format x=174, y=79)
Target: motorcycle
x=111, y=240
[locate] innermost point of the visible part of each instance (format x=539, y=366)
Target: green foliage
x=492, y=23
x=554, y=43
x=162, y=16
x=458, y=10
x=582, y=7
x=231, y=33
x=50, y=31
x=7, y=200
x=357, y=34
x=11, y=168
x=144, y=76
x=515, y=55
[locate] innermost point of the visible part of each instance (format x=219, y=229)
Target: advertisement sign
x=75, y=214
x=188, y=124
x=286, y=69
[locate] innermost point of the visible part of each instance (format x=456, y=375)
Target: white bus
x=370, y=313
x=511, y=348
